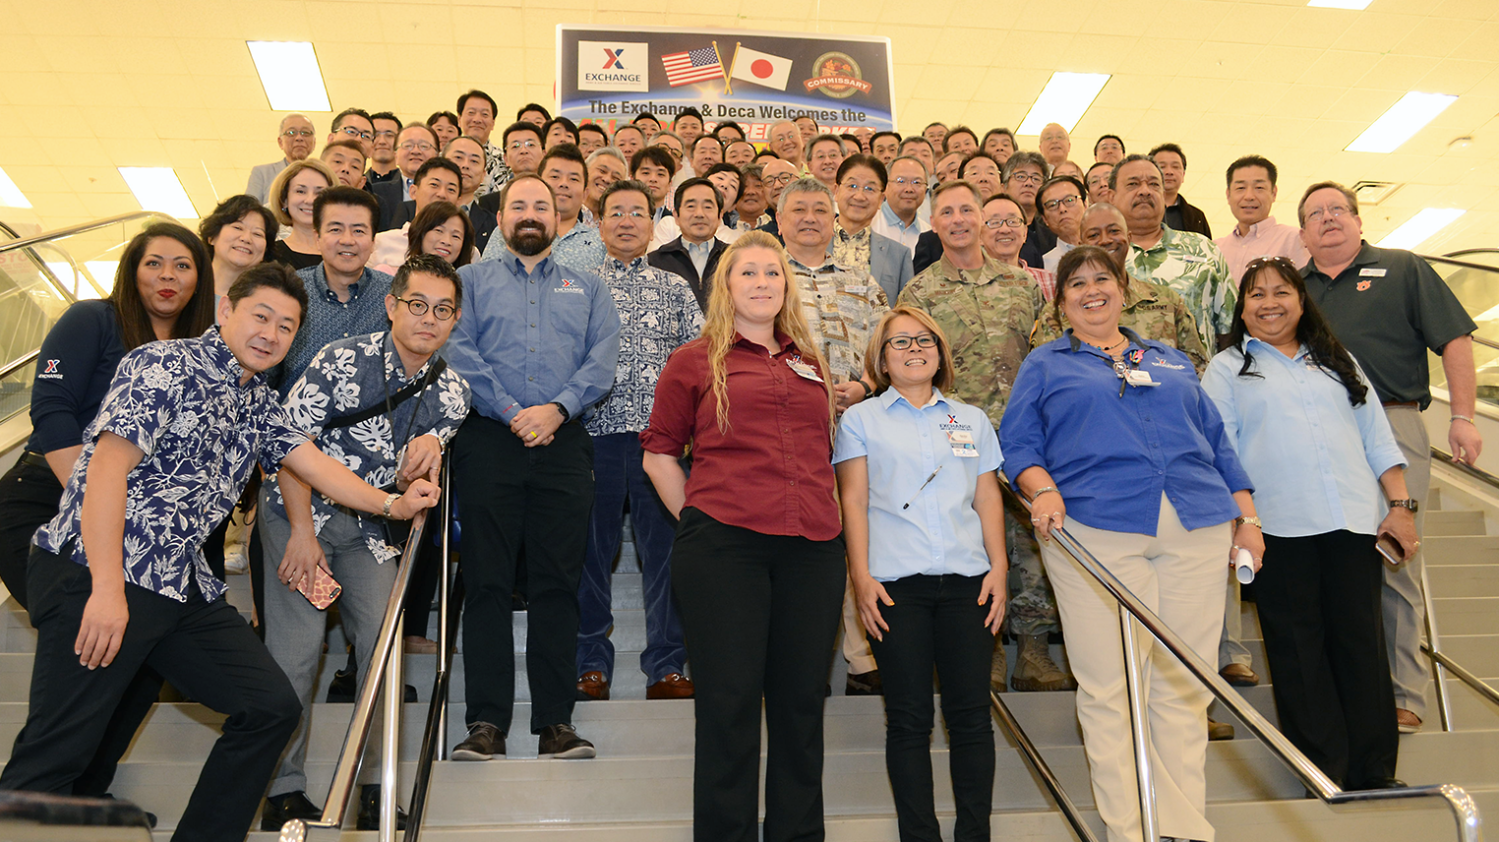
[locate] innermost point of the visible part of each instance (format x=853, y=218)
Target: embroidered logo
x=569, y=286
x=1363, y=285
x=50, y=372
x=1164, y=364
x=952, y=419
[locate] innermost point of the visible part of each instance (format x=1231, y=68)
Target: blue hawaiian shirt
x=202, y=432
x=344, y=378
x=657, y=314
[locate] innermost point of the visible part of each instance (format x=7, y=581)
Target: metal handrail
x=72, y=230
x=1469, y=823
x=19, y=363
x=1032, y=755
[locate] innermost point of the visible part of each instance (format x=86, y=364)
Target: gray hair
x=1020, y=158
x=673, y=135
x=608, y=152
x=913, y=159
x=823, y=138
x=805, y=184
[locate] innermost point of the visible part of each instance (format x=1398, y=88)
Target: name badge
x=1139, y=378
x=962, y=444
x=804, y=370
x=1372, y=273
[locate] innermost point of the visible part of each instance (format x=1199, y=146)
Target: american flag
x=692, y=66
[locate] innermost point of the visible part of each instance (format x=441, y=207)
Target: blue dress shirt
x=1113, y=456
x=1315, y=458
x=940, y=533
x=526, y=339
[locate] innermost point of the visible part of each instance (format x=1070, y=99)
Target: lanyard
x=1133, y=357
x=390, y=411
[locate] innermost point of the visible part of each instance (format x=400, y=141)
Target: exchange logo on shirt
x=952, y=424
x=49, y=371
x=569, y=286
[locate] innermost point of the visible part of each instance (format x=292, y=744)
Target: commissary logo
x=613, y=66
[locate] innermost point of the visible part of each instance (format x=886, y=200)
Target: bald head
x=1056, y=145
x=786, y=141
x=297, y=145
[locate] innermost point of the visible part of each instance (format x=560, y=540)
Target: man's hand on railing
x=422, y=494
x=423, y=458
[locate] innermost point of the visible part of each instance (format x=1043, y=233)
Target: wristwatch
x=566, y=416
x=1252, y=521
x=390, y=500
x=1406, y=504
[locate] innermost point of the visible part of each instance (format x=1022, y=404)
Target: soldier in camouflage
x=987, y=310
x=1188, y=263
x=1151, y=310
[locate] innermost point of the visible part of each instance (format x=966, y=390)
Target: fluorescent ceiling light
x=1404, y=119
x=1355, y=5
x=290, y=75
x=1063, y=101
x=11, y=195
x=1420, y=228
x=157, y=189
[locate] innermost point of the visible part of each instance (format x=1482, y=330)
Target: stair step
x=1453, y=522
x=1455, y=550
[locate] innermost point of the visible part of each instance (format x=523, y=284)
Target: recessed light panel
x=290, y=74
x=1420, y=228
x=1063, y=101
x=1401, y=122
x=157, y=189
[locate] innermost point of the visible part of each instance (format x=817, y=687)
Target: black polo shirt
x=76, y=364
x=1388, y=307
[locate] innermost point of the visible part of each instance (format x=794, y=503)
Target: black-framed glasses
x=904, y=343
x=418, y=307
x=353, y=132
x=1004, y=222
x=1069, y=201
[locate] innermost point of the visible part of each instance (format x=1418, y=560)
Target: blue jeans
x=618, y=475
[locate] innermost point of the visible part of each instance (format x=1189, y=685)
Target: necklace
x=1109, y=348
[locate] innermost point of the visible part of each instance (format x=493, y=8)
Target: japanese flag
x=762, y=68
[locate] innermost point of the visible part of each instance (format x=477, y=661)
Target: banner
x=609, y=75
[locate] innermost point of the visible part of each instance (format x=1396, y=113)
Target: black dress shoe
x=1381, y=783
x=369, y=809
x=563, y=743
x=280, y=809
x=344, y=689
x=864, y=684
x=150, y=816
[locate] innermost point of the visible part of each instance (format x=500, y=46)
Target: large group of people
x=842, y=383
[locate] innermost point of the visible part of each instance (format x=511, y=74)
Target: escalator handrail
x=19, y=363
x=1465, y=810
x=73, y=230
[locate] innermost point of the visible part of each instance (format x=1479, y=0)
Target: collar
x=827, y=267
x=1245, y=347
x=894, y=219
x=1366, y=254
x=1075, y=345
x=786, y=343
x=705, y=247
x=1168, y=237
x=394, y=369
x=991, y=270
x=1254, y=230
x=220, y=359
x=617, y=265
x=511, y=261
x=842, y=233
x=322, y=290
x=888, y=398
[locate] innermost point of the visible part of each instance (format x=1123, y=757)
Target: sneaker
x=483, y=742
x=562, y=742
x=864, y=684
x=1035, y=670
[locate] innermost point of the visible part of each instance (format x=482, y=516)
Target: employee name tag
x=1139, y=378
x=962, y=444
x=804, y=370
x=1372, y=273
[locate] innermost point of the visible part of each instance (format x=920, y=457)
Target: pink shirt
x=1266, y=238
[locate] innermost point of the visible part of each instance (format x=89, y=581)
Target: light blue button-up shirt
x=526, y=339
x=1315, y=459
x=940, y=533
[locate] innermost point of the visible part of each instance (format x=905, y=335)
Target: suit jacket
x=1185, y=216
x=392, y=214
x=261, y=177
x=673, y=257
x=929, y=249
x=890, y=264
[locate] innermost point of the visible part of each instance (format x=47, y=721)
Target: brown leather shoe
x=1219, y=731
x=593, y=687
x=1407, y=721
x=1239, y=675
x=674, y=686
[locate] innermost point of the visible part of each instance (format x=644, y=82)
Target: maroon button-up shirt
x=772, y=471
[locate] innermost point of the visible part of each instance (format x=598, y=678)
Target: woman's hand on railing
x=868, y=594
x=1048, y=512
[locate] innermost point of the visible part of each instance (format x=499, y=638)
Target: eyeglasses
x=904, y=343
x=353, y=132
x=385, y=133
x=619, y=214
x=1069, y=201
x=869, y=189
x=1026, y=178
x=517, y=145
x=1004, y=222
x=783, y=179
x=418, y=145
x=418, y=307
x=918, y=183
x=1333, y=212
x=297, y=133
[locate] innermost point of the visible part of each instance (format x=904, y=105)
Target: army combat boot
x=1034, y=668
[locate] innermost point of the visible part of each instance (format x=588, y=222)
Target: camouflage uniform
x=1152, y=310
x=842, y=308
x=988, y=315
x=1193, y=266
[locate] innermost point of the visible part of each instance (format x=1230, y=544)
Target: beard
x=528, y=239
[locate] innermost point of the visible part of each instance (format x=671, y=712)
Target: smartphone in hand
x=1390, y=548
x=321, y=590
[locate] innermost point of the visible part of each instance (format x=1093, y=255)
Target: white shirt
x=887, y=224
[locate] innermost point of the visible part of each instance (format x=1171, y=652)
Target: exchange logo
x=837, y=76
x=613, y=66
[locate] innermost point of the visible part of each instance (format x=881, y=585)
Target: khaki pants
x=1179, y=575
x=1404, y=609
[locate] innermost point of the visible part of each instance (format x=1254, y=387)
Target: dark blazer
x=1185, y=216
x=388, y=194
x=673, y=257
x=929, y=248
x=484, y=216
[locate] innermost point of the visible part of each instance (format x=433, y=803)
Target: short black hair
x=594, y=127
x=386, y=115
x=569, y=125
x=646, y=115
x=699, y=181
x=767, y=153
x=1082, y=189
x=658, y=155
x=349, y=196
x=522, y=126
x=1250, y=161
x=1130, y=159
x=442, y=115
x=954, y=132
x=878, y=135
x=1112, y=137
x=702, y=137
x=1096, y=166
x=565, y=152
x=729, y=124
x=494, y=110
x=1169, y=147
x=231, y=210
x=934, y=123
x=630, y=127
x=428, y=264
x=689, y=111
x=626, y=185
x=729, y=168
x=274, y=275
x=350, y=112
x=437, y=162
x=859, y=159
x=534, y=106
x=1002, y=132
x=975, y=156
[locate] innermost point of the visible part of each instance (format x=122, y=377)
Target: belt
x=35, y=460
x=1413, y=404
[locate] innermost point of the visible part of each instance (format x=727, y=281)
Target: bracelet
x=1456, y=417
x=390, y=500
x=1040, y=491
x=1252, y=521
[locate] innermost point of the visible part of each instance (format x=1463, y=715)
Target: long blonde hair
x=719, y=330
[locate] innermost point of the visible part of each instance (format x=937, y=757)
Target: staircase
x=639, y=789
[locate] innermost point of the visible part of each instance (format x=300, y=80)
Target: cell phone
x=1390, y=548
x=322, y=590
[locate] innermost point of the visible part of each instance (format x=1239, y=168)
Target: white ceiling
x=90, y=85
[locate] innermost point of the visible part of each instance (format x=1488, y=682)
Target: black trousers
x=1319, y=607
x=760, y=614
x=511, y=494
x=205, y=649
x=937, y=622
x=29, y=497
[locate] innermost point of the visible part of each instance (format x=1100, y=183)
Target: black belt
x=1415, y=404
x=35, y=460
